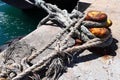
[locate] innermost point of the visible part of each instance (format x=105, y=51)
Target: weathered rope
x=71, y=33
x=11, y=61
x=60, y=16
x=56, y=68
x=57, y=38
x=55, y=14
x=48, y=45
x=87, y=35
x=91, y=43
x=94, y=24
x=87, y=32
x=17, y=48
x=72, y=24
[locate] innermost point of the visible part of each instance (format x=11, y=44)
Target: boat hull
x=63, y=4
x=21, y=4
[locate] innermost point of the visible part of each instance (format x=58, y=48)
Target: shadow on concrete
x=113, y=47
x=82, y=6
x=97, y=52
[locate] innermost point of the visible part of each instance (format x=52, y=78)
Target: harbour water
x=15, y=22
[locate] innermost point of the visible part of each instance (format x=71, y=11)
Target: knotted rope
x=90, y=43
x=62, y=16
x=74, y=25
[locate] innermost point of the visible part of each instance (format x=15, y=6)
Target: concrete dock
x=89, y=66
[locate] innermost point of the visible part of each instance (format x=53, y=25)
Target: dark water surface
x=14, y=22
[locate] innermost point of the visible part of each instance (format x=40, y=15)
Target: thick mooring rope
x=60, y=16
x=89, y=44
x=49, y=44
x=93, y=24
x=72, y=23
x=58, y=37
